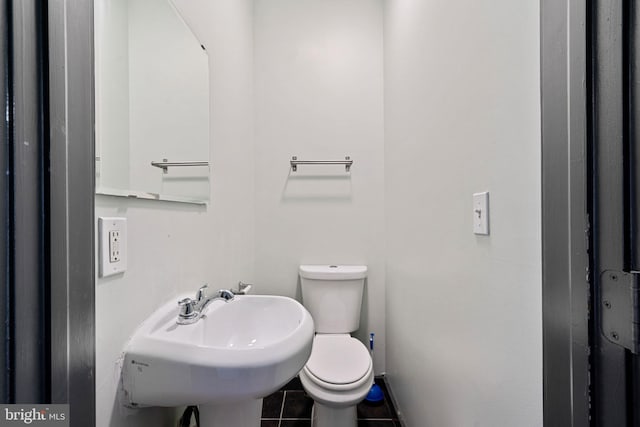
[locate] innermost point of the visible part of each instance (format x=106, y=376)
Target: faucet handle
x=243, y=288
x=201, y=293
x=187, y=309
x=226, y=294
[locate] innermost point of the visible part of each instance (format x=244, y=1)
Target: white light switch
x=481, y=213
x=112, y=235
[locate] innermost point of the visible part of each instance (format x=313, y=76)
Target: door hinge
x=620, y=308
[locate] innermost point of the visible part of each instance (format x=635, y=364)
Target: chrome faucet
x=191, y=310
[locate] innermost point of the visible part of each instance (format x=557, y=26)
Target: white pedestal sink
x=239, y=352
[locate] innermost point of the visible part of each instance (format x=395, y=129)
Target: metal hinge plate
x=620, y=308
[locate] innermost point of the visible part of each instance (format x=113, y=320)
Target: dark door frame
x=607, y=124
x=47, y=205
x=590, y=71
x=25, y=285
x=613, y=120
x=565, y=224
x=5, y=309
x=72, y=189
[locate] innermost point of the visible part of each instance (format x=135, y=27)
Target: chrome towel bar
x=347, y=162
x=165, y=164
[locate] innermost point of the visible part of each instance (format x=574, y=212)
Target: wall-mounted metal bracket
x=620, y=308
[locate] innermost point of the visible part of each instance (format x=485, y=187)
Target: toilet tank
x=333, y=296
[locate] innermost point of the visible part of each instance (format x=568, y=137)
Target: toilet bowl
x=339, y=372
x=337, y=377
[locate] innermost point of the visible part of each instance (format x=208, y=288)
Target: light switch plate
x=112, y=237
x=481, y=213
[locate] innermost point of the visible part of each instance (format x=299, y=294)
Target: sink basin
x=238, y=352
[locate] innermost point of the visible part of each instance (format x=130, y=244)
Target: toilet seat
x=338, y=362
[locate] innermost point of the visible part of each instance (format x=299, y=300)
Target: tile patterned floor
x=291, y=407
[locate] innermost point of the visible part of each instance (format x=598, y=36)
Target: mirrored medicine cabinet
x=152, y=103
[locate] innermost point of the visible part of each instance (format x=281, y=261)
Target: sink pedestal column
x=237, y=414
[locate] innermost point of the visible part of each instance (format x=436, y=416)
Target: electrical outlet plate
x=112, y=237
x=481, y=213
x=114, y=246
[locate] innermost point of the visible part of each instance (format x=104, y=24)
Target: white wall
x=172, y=247
x=319, y=95
x=462, y=115
x=112, y=89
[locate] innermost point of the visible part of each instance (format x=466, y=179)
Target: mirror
x=152, y=103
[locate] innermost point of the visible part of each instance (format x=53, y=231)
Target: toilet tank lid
x=333, y=272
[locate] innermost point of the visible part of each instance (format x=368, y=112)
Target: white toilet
x=339, y=372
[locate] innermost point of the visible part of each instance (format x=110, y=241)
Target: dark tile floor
x=291, y=407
